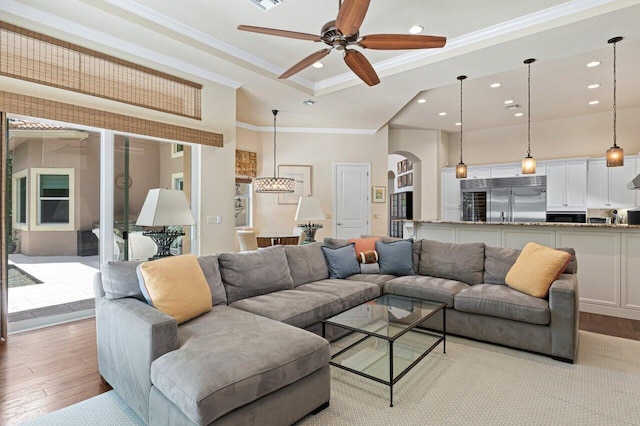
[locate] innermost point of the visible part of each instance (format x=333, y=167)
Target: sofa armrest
x=564, y=304
x=131, y=335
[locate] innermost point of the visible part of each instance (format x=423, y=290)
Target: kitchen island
x=608, y=255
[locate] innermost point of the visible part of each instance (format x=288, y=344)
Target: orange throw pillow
x=364, y=244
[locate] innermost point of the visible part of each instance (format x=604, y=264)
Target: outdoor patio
x=65, y=279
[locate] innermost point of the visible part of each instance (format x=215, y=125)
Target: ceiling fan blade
x=351, y=15
x=401, y=41
x=314, y=57
x=361, y=67
x=279, y=33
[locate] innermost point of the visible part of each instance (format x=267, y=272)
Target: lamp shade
x=309, y=209
x=165, y=207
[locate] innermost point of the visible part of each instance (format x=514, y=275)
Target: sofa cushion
x=536, y=268
x=429, y=288
x=498, y=261
x=254, y=273
x=503, y=302
x=351, y=293
x=176, y=286
x=295, y=307
x=395, y=258
x=378, y=279
x=369, y=268
x=461, y=262
x=119, y=279
x=306, y=263
x=341, y=261
x=211, y=270
x=229, y=358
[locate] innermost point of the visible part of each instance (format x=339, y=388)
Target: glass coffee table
x=392, y=344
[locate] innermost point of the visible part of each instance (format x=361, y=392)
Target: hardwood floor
x=48, y=369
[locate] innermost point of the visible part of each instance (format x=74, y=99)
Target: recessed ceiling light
x=318, y=65
x=594, y=102
x=593, y=64
x=458, y=124
x=421, y=101
x=442, y=113
x=518, y=114
x=309, y=102
x=593, y=86
x=416, y=29
x=508, y=101
x=494, y=85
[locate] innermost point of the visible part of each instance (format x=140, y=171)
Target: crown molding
x=30, y=13
x=204, y=38
x=269, y=129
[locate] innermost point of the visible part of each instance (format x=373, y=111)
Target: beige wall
x=217, y=164
x=583, y=136
x=319, y=151
x=430, y=147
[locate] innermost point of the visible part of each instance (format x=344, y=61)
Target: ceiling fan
x=343, y=34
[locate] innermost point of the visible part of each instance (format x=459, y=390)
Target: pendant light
x=461, y=168
x=615, y=154
x=528, y=162
x=274, y=184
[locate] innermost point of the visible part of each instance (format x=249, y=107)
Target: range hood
x=635, y=183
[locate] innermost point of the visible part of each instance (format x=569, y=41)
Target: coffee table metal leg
x=444, y=330
x=390, y=373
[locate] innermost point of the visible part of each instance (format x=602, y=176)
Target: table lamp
x=309, y=209
x=164, y=207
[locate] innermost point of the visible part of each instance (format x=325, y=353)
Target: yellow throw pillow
x=536, y=268
x=176, y=286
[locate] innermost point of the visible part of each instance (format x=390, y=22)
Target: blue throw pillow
x=342, y=261
x=395, y=258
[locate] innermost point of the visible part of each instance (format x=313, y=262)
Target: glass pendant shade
x=461, y=171
x=615, y=156
x=528, y=165
x=274, y=184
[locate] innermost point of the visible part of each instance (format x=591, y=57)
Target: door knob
x=339, y=224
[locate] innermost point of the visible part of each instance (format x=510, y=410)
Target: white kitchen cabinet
x=450, y=194
x=567, y=185
x=506, y=170
x=607, y=186
x=630, y=271
x=478, y=172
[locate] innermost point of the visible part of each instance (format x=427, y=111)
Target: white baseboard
x=35, y=323
x=610, y=310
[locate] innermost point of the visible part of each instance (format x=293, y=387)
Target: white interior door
x=351, y=199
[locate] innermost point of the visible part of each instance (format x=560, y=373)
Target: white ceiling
x=487, y=40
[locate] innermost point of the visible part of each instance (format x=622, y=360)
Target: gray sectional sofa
x=257, y=357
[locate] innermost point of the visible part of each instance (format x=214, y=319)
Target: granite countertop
x=556, y=224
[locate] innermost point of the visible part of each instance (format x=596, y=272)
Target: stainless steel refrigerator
x=518, y=199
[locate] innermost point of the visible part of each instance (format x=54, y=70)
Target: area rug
x=473, y=383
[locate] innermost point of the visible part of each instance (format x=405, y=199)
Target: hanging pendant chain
x=461, y=120
x=529, y=112
x=275, y=112
x=614, y=95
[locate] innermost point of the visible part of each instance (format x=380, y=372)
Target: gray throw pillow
x=461, y=262
x=211, y=270
x=119, y=279
x=395, y=258
x=342, y=261
x=254, y=273
x=417, y=248
x=306, y=263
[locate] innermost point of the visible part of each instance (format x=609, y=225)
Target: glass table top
x=388, y=316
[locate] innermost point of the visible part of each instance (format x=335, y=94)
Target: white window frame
x=175, y=178
x=34, y=219
x=24, y=226
x=174, y=150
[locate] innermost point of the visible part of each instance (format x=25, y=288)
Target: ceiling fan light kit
x=615, y=154
x=344, y=34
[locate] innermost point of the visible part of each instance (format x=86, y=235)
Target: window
x=177, y=150
x=20, y=200
x=53, y=199
x=177, y=181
